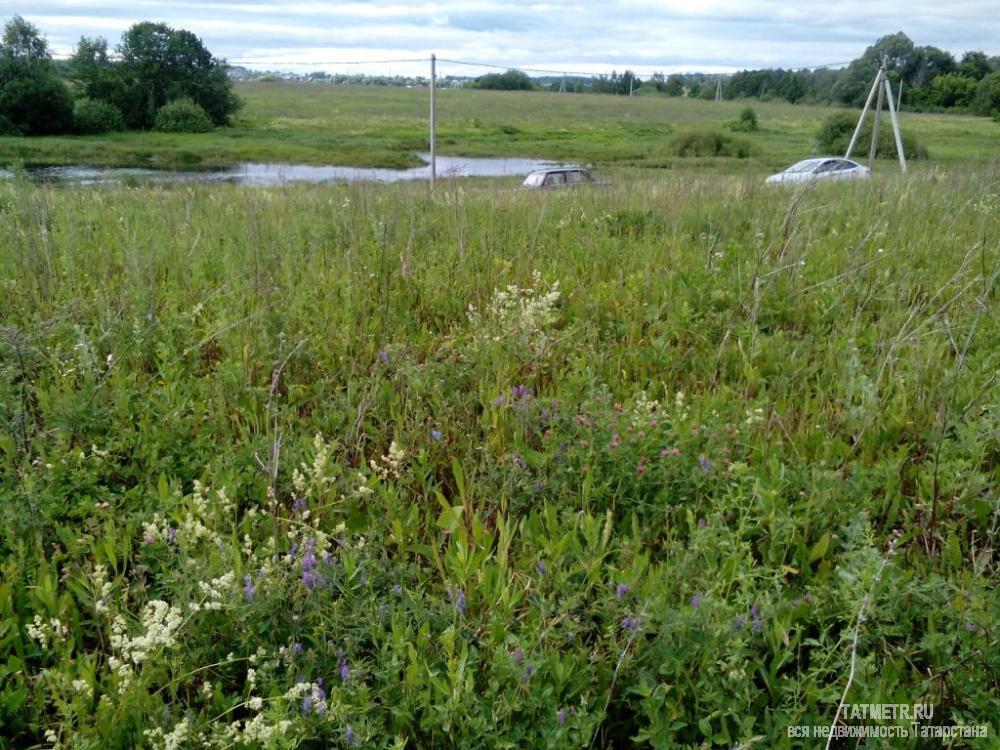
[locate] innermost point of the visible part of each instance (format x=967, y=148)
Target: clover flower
x=696, y=600
x=630, y=624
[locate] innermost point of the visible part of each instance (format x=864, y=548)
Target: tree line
x=926, y=77
x=158, y=77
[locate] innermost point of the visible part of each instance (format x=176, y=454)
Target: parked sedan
x=823, y=168
x=561, y=177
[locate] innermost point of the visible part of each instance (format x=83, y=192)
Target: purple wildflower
x=561, y=717
x=757, y=624
x=345, y=670
x=528, y=671
x=696, y=599
x=296, y=648
x=630, y=624
x=436, y=434
x=542, y=568
x=249, y=590
x=293, y=553
x=519, y=463
x=172, y=535
x=704, y=463
x=521, y=392
x=299, y=505
x=148, y=539
x=739, y=623
x=397, y=589
x=518, y=656
x=307, y=704
x=309, y=579
x=501, y=401
x=350, y=737
x=458, y=599
x=383, y=356
x=327, y=558
x=621, y=590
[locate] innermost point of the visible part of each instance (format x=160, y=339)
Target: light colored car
x=558, y=177
x=822, y=168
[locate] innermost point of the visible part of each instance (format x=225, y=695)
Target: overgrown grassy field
x=670, y=464
x=380, y=126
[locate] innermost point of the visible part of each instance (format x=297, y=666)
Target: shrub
x=93, y=116
x=834, y=136
x=987, y=101
x=709, y=143
x=8, y=129
x=37, y=103
x=183, y=116
x=747, y=123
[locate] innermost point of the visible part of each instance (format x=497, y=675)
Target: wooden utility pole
x=433, y=121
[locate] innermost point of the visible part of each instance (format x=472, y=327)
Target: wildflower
x=615, y=441
x=171, y=535
x=542, y=568
x=148, y=538
x=296, y=648
x=757, y=624
x=640, y=468
x=519, y=463
x=436, y=434
x=518, y=656
x=307, y=703
x=521, y=392
x=397, y=589
x=249, y=590
x=696, y=600
x=350, y=737
x=561, y=717
x=458, y=599
x=528, y=671
x=704, y=463
x=500, y=401
x=739, y=622
x=630, y=624
x=309, y=579
x=345, y=670
x=383, y=356
x=299, y=505
x=621, y=590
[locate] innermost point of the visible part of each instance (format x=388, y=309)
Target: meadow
x=387, y=127
x=677, y=462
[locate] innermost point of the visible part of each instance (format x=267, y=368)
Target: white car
x=822, y=168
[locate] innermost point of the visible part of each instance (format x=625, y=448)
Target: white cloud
x=645, y=35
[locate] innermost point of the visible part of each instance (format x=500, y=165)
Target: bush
x=987, y=101
x=8, y=129
x=709, y=143
x=834, y=137
x=93, y=116
x=37, y=103
x=182, y=116
x=747, y=123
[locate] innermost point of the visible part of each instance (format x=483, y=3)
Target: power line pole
x=882, y=87
x=433, y=121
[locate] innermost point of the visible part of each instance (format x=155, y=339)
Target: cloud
x=644, y=35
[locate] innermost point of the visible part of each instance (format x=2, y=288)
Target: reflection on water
x=279, y=174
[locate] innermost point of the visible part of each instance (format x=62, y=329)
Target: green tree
x=951, y=90
x=674, y=86
x=901, y=59
x=975, y=65
x=160, y=64
x=32, y=98
x=987, y=101
x=511, y=80
x=97, y=75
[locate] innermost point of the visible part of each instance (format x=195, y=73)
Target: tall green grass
x=635, y=495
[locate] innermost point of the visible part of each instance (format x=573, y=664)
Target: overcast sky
x=645, y=36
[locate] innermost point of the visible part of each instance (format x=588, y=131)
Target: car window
x=574, y=177
x=556, y=178
x=535, y=179
x=804, y=166
x=843, y=165
x=827, y=166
